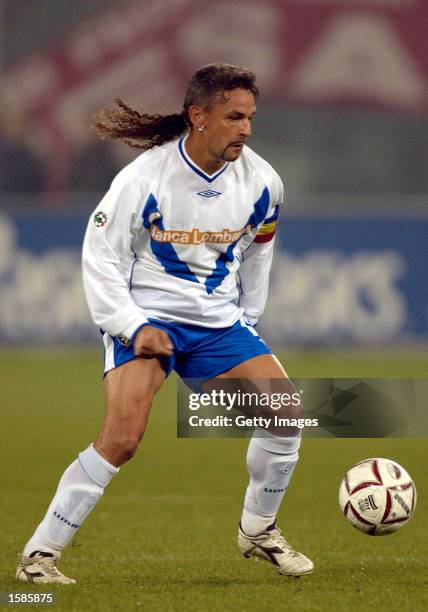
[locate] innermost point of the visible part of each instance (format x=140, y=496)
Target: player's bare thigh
x=130, y=389
x=260, y=367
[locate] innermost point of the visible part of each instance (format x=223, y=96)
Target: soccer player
x=176, y=261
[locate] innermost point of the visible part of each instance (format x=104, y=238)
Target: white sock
x=270, y=461
x=79, y=489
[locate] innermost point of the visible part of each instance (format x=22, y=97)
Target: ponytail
x=139, y=131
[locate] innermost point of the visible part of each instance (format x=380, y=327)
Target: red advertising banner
x=339, y=52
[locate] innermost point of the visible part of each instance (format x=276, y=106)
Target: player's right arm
x=107, y=262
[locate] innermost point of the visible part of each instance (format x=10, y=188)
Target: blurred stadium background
x=343, y=116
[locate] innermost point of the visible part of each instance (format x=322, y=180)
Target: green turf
x=163, y=537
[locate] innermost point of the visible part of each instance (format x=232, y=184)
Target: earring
x=201, y=129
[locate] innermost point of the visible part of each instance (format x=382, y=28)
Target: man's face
x=228, y=123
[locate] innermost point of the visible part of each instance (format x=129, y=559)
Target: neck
x=201, y=154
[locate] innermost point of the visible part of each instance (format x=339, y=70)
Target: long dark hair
x=144, y=131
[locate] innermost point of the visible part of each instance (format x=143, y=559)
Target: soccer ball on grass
x=377, y=496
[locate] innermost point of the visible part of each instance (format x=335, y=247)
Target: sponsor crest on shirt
x=100, y=219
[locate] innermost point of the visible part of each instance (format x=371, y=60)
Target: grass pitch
x=163, y=537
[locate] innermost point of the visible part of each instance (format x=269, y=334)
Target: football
x=377, y=496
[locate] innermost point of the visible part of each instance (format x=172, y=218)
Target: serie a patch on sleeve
x=268, y=229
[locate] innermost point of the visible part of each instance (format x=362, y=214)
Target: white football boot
x=41, y=568
x=271, y=546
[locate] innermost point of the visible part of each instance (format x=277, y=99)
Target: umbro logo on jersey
x=208, y=193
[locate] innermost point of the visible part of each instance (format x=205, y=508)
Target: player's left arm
x=257, y=260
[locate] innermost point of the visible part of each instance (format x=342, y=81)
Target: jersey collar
x=208, y=177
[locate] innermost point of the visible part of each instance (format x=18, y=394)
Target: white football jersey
x=170, y=242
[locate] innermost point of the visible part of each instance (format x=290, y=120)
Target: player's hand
x=151, y=342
